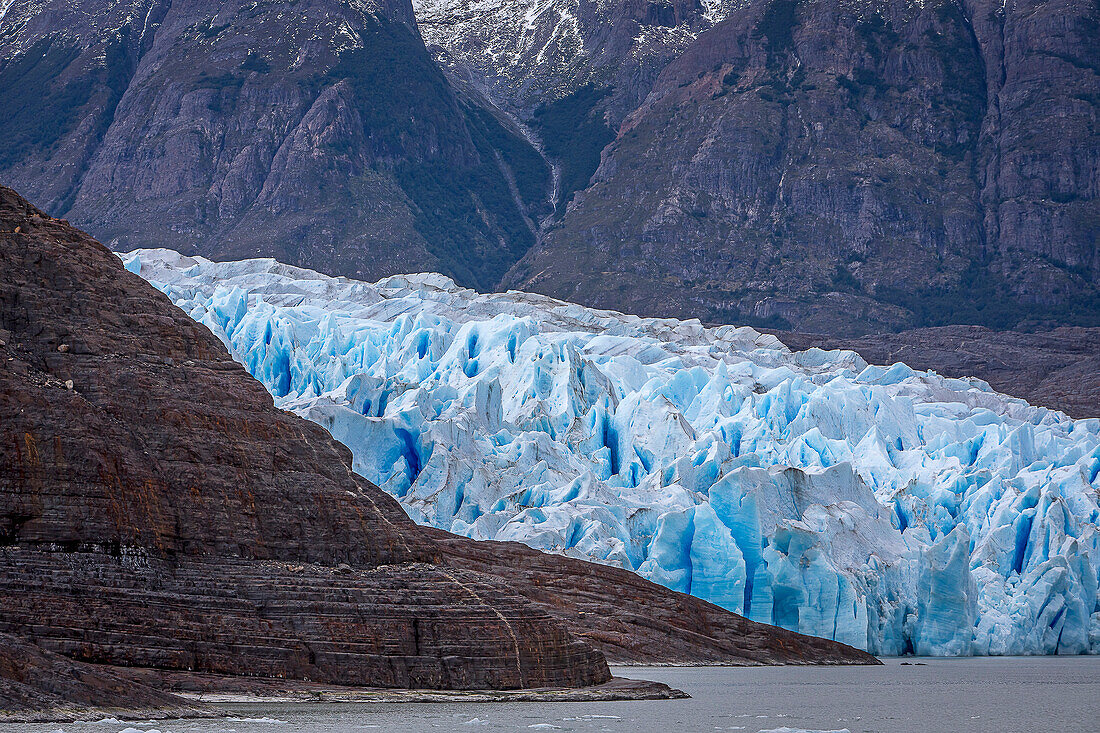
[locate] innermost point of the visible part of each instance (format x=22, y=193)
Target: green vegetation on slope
x=40, y=107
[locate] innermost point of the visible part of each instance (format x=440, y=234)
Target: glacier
x=894, y=510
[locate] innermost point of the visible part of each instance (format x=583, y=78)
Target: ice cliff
x=894, y=510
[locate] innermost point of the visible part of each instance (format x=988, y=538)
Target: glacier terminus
x=894, y=510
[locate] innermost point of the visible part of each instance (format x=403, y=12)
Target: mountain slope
x=319, y=131
x=850, y=169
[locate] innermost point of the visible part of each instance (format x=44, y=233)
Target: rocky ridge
x=528, y=53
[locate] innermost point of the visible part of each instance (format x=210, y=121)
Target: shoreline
x=209, y=691
x=617, y=689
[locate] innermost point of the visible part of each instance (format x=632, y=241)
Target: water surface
x=994, y=695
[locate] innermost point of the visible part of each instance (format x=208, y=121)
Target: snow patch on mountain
x=894, y=510
x=522, y=53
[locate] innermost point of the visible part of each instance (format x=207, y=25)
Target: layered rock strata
x=36, y=685
x=156, y=510
x=630, y=620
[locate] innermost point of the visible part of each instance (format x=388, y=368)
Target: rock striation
x=157, y=511
x=629, y=620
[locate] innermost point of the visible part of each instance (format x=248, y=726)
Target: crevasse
x=894, y=510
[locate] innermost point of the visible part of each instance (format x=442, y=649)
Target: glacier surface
x=894, y=510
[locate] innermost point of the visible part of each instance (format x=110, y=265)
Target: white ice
x=894, y=510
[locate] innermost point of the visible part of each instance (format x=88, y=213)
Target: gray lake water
x=998, y=695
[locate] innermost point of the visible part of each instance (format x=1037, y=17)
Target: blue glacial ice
x=894, y=510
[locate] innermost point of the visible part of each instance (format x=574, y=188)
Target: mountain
x=158, y=512
x=851, y=169
x=37, y=686
x=890, y=509
x=826, y=167
x=569, y=71
x=1059, y=369
x=318, y=131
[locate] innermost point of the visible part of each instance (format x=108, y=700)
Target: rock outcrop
x=157, y=511
x=36, y=685
x=851, y=169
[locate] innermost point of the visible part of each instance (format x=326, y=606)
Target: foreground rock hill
x=157, y=511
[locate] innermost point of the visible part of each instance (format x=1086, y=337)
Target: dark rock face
x=634, y=622
x=808, y=165
x=1059, y=369
x=318, y=131
x=36, y=685
x=157, y=510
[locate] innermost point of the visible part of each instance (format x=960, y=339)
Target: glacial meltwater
x=973, y=695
